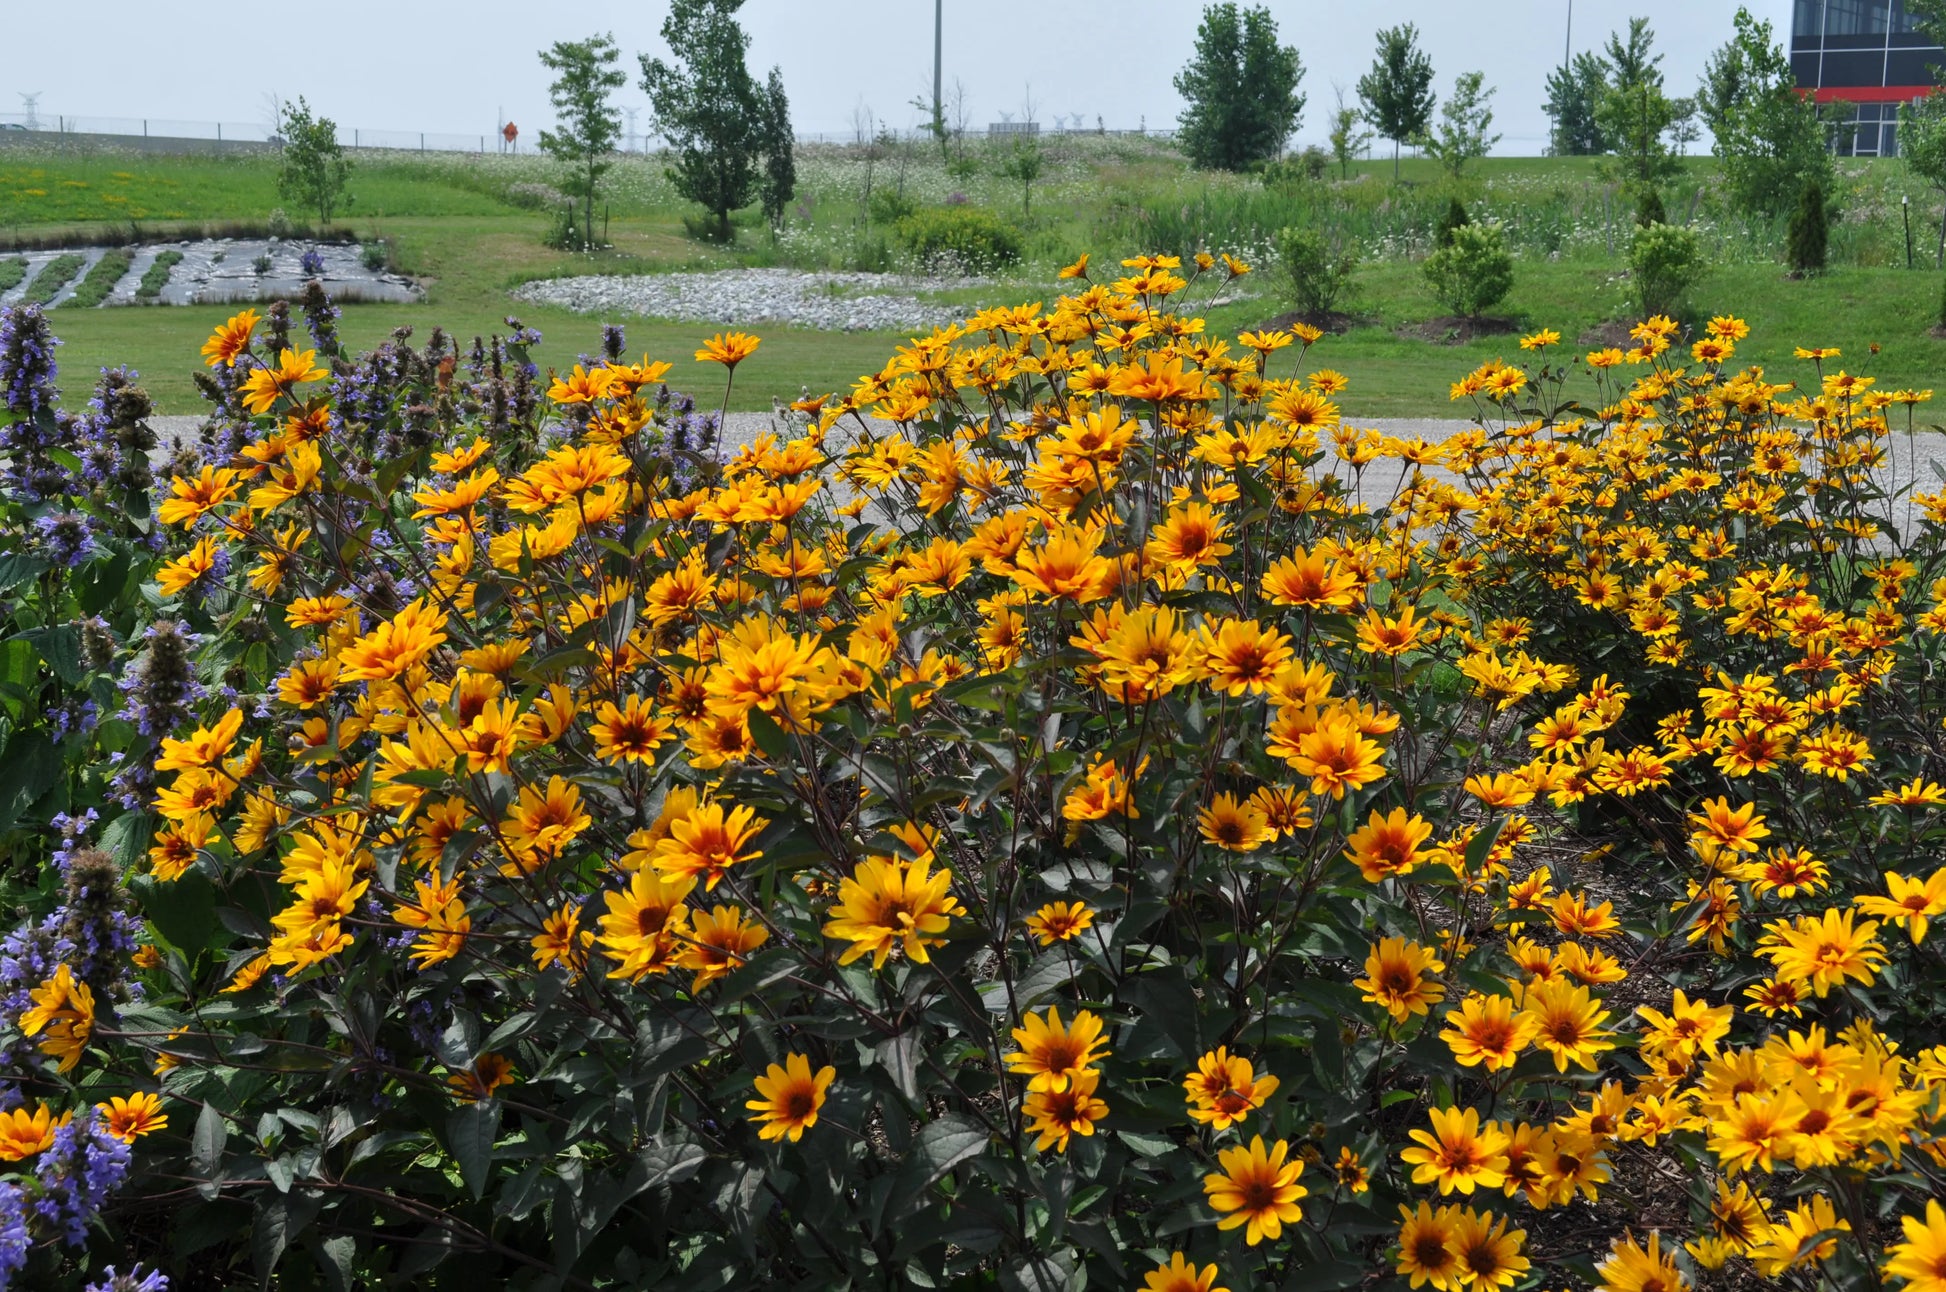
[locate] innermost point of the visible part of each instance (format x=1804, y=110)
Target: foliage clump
x=1318, y=270
x=1473, y=271
x=963, y=239
x=1665, y=261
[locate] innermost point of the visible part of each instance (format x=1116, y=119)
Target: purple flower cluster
x=27, y=367
x=320, y=315
x=27, y=392
x=311, y=263
x=14, y=1240
x=133, y=1281
x=76, y=1175
x=114, y=435
x=67, y=537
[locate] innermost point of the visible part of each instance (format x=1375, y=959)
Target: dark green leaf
x=470, y=1132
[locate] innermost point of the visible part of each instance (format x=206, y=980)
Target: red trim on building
x=1871, y=93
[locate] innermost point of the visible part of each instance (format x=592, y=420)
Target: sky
x=462, y=68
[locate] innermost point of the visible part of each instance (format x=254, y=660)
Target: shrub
x=1806, y=238
x=376, y=254
x=1649, y=210
x=889, y=206
x=970, y=238
x=544, y=854
x=1664, y=262
x=1318, y=274
x=1473, y=272
x=1454, y=217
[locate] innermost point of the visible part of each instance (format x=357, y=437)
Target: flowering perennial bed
x=470, y=831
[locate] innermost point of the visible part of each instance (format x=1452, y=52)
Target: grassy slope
x=453, y=226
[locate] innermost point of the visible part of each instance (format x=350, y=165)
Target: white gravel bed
x=833, y=302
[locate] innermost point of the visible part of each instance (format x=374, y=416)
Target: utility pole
x=938, y=61
x=1567, y=44
x=630, y=142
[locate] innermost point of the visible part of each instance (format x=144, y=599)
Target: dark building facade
x=1860, y=59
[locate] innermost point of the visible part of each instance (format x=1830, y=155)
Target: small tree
x=1473, y=272
x=587, y=123
x=1649, y=209
x=1574, y=94
x=1455, y=218
x=1922, y=145
x=707, y=107
x=1464, y=120
x=1397, y=93
x=315, y=169
x=1319, y=273
x=1768, y=141
x=1348, y=135
x=1634, y=112
x=1240, y=88
x=1664, y=262
x=779, y=145
x=1023, y=165
x=1805, y=244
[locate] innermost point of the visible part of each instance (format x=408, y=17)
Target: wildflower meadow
x=1069, y=810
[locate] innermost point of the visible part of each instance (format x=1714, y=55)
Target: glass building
x=1860, y=59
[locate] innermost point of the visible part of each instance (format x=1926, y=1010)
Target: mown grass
x=468, y=227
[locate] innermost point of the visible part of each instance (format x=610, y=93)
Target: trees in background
x=1348, y=135
x=1633, y=112
x=587, y=123
x=1464, y=120
x=314, y=169
x=1397, y=93
x=1574, y=95
x=1769, y=142
x=777, y=143
x=721, y=127
x=1241, y=88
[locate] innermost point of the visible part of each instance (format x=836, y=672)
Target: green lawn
x=466, y=226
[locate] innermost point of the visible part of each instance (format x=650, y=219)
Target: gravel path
x=838, y=302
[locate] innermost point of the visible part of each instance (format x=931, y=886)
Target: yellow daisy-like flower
x=1051, y=1053
x=789, y=1096
x=1256, y=1189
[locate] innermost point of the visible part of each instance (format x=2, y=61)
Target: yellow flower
x=1054, y=1115
x=541, y=823
x=1487, y=1256
x=1051, y=1053
x=1567, y=1022
x=641, y=931
x=65, y=1010
x=1911, y=902
x=1488, y=1031
x=706, y=841
x=1824, y=950
x=191, y=496
x=231, y=338
x=488, y=1073
x=1225, y=1088
x=728, y=349
x=1060, y=922
x=1921, y=1259
x=889, y=903
x=128, y=1119
x=1457, y=1153
x=1388, y=845
x=789, y=1096
x=1256, y=1189
x=719, y=941
x=263, y=387
x=1630, y=1268
x=1397, y=976
x=1426, y=1253
x=1179, y=1275
x=23, y=1134
x=1234, y=826
x=400, y=643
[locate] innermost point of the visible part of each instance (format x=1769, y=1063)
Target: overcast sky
x=402, y=65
